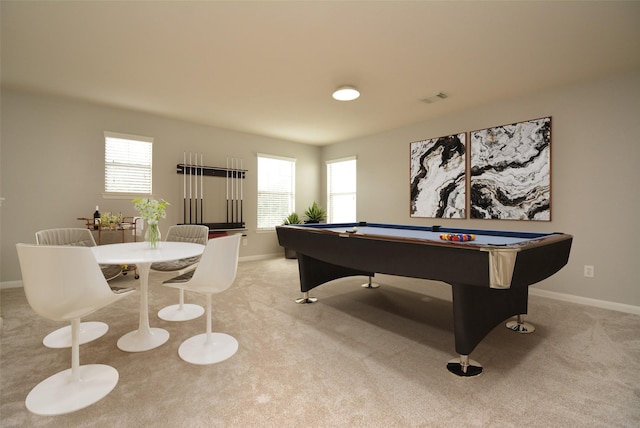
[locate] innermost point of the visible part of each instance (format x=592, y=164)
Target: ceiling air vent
x=435, y=97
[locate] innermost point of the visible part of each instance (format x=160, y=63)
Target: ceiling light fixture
x=346, y=93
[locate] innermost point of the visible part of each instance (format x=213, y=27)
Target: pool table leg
x=476, y=311
x=520, y=326
x=464, y=366
x=370, y=284
x=306, y=298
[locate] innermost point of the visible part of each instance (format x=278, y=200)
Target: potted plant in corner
x=293, y=218
x=315, y=213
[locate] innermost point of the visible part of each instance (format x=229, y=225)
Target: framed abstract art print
x=438, y=177
x=511, y=171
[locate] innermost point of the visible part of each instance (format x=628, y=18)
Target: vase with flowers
x=151, y=211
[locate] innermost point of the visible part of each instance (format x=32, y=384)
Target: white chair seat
x=76, y=236
x=81, y=237
x=197, y=234
x=65, y=283
x=215, y=272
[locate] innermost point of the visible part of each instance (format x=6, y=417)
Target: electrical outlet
x=244, y=242
x=588, y=271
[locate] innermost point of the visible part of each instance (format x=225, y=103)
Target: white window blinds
x=127, y=163
x=276, y=190
x=341, y=190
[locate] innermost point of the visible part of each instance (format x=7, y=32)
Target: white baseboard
x=18, y=284
x=259, y=257
x=620, y=307
x=10, y=284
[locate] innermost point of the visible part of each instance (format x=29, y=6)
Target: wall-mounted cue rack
x=193, y=191
x=208, y=171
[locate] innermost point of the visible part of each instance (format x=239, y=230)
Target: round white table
x=139, y=253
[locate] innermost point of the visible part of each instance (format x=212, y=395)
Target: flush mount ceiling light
x=346, y=93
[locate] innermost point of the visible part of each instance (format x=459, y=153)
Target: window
x=127, y=164
x=341, y=190
x=276, y=190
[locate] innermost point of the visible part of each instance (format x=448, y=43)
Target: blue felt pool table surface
x=482, y=237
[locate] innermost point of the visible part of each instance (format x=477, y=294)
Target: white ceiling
x=269, y=67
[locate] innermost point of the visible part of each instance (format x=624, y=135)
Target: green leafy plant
x=293, y=219
x=315, y=213
x=111, y=221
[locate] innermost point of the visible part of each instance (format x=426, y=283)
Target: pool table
x=489, y=275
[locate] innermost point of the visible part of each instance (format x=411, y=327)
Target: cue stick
x=234, y=188
x=231, y=190
x=190, y=194
x=234, y=193
x=231, y=182
x=195, y=188
x=241, y=194
x=227, y=189
x=184, y=188
x=202, y=188
x=236, y=171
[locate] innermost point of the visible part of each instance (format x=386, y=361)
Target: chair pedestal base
x=61, y=338
x=196, y=350
x=143, y=339
x=60, y=394
x=187, y=312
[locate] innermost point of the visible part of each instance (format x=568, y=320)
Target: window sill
x=270, y=230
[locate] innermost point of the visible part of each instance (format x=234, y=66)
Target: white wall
x=595, y=178
x=53, y=168
x=52, y=172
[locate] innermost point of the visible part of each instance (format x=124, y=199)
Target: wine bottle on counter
x=96, y=219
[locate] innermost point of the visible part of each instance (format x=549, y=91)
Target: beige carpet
x=357, y=358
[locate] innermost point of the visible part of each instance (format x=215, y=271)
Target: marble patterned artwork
x=438, y=177
x=511, y=171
